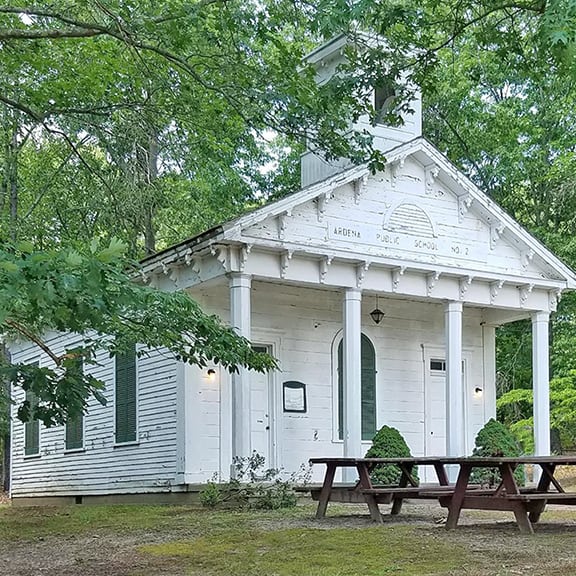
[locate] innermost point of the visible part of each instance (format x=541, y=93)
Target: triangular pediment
x=420, y=210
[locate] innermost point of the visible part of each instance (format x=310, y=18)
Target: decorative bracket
x=496, y=230
x=243, y=256
x=527, y=256
x=285, y=258
x=431, y=175
x=431, y=280
x=395, y=169
x=282, y=223
x=361, y=270
x=555, y=297
x=397, y=273
x=464, y=203
x=495, y=287
x=222, y=254
x=324, y=265
x=464, y=285
x=525, y=292
x=188, y=256
x=321, y=202
x=360, y=186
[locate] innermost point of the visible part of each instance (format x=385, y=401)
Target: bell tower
x=326, y=59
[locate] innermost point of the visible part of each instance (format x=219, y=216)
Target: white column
x=540, y=383
x=489, y=380
x=240, y=319
x=352, y=425
x=455, y=434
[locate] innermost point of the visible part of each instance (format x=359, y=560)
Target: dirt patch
x=492, y=539
x=4, y=499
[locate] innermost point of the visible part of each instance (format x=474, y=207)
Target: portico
x=301, y=277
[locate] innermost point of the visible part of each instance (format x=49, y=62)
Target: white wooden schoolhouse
x=379, y=294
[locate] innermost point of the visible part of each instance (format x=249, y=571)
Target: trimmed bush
x=494, y=439
x=389, y=443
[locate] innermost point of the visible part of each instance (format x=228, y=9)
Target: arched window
x=368, y=361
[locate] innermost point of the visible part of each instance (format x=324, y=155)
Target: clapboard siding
x=103, y=467
x=307, y=322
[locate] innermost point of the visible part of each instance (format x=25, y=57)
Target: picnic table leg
x=441, y=474
x=520, y=509
x=326, y=490
x=398, y=500
x=365, y=482
x=458, y=496
x=546, y=478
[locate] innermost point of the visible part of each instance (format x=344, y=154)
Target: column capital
x=352, y=294
x=540, y=317
x=240, y=280
x=453, y=306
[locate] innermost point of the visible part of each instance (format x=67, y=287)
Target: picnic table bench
x=527, y=504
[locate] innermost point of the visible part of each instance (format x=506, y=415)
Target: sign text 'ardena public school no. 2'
x=341, y=231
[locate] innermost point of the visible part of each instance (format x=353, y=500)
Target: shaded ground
x=155, y=541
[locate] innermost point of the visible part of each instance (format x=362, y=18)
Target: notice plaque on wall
x=294, y=396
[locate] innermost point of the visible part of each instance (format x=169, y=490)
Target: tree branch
x=33, y=338
x=23, y=34
x=23, y=108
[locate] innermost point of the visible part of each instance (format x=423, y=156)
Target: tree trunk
x=5, y=440
x=151, y=177
x=13, y=185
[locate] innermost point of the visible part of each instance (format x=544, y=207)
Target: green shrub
x=494, y=439
x=211, y=495
x=388, y=443
x=254, y=486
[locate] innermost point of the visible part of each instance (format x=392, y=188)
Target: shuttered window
x=125, y=397
x=32, y=427
x=368, y=393
x=75, y=426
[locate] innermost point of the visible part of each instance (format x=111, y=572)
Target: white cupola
x=326, y=59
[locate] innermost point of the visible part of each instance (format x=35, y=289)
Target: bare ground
x=492, y=538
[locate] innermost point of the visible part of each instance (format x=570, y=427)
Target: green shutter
x=75, y=433
x=340, y=391
x=75, y=425
x=368, y=389
x=368, y=395
x=32, y=428
x=125, y=397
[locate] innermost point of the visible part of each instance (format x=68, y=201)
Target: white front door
x=260, y=412
x=436, y=408
x=435, y=392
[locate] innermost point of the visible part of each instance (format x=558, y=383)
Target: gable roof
x=469, y=196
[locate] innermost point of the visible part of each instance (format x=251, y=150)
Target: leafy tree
x=90, y=294
x=515, y=408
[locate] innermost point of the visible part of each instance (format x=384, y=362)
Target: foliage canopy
x=90, y=294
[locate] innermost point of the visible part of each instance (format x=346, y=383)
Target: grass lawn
x=173, y=540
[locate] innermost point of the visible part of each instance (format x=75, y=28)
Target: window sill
x=32, y=456
x=75, y=451
x=123, y=444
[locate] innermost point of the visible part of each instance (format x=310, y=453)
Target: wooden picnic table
x=527, y=504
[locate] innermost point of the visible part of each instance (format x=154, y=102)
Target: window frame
x=337, y=342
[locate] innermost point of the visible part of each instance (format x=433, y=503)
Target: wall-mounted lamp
x=377, y=315
x=211, y=373
x=478, y=392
